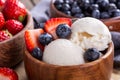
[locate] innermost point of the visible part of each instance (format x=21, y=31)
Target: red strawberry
x=2, y=2
x=51, y=25
x=31, y=39
x=14, y=26
x=2, y=21
x=4, y=36
x=14, y=9
x=8, y=74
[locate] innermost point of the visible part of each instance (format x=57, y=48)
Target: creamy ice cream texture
x=90, y=33
x=63, y=52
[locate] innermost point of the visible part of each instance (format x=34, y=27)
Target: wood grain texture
x=113, y=24
x=100, y=69
x=11, y=50
x=22, y=74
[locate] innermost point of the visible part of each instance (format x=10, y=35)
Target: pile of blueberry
x=101, y=9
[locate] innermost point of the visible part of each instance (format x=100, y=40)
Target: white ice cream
x=90, y=33
x=63, y=52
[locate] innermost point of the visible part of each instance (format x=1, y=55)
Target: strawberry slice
x=8, y=74
x=31, y=39
x=51, y=25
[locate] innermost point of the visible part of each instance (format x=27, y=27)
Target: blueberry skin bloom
x=91, y=54
x=63, y=31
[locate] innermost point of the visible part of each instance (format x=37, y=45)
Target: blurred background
x=29, y=3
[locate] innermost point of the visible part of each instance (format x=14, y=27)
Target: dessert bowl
x=99, y=69
x=11, y=50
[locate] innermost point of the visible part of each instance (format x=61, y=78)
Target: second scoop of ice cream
x=63, y=52
x=90, y=33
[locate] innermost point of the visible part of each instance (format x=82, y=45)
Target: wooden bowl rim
x=29, y=18
x=65, y=15
x=38, y=62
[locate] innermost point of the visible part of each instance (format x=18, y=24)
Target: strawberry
x=4, y=36
x=13, y=26
x=51, y=25
x=2, y=2
x=2, y=21
x=14, y=9
x=31, y=39
x=8, y=74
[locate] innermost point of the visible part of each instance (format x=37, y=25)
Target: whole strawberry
x=2, y=2
x=8, y=74
x=2, y=21
x=14, y=9
x=13, y=26
x=4, y=35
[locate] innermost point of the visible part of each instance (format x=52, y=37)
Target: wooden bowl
x=11, y=50
x=56, y=13
x=100, y=69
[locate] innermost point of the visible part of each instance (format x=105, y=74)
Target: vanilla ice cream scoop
x=63, y=52
x=90, y=33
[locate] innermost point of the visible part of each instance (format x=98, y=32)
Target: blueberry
x=111, y=7
x=79, y=15
x=93, y=7
x=92, y=1
x=75, y=10
x=59, y=6
x=96, y=13
x=102, y=4
x=63, y=31
x=45, y=39
x=116, y=39
x=84, y=4
x=118, y=4
x=67, y=12
x=112, y=1
x=69, y=1
x=104, y=15
x=116, y=13
x=37, y=53
x=58, y=2
x=74, y=4
x=65, y=6
x=91, y=54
